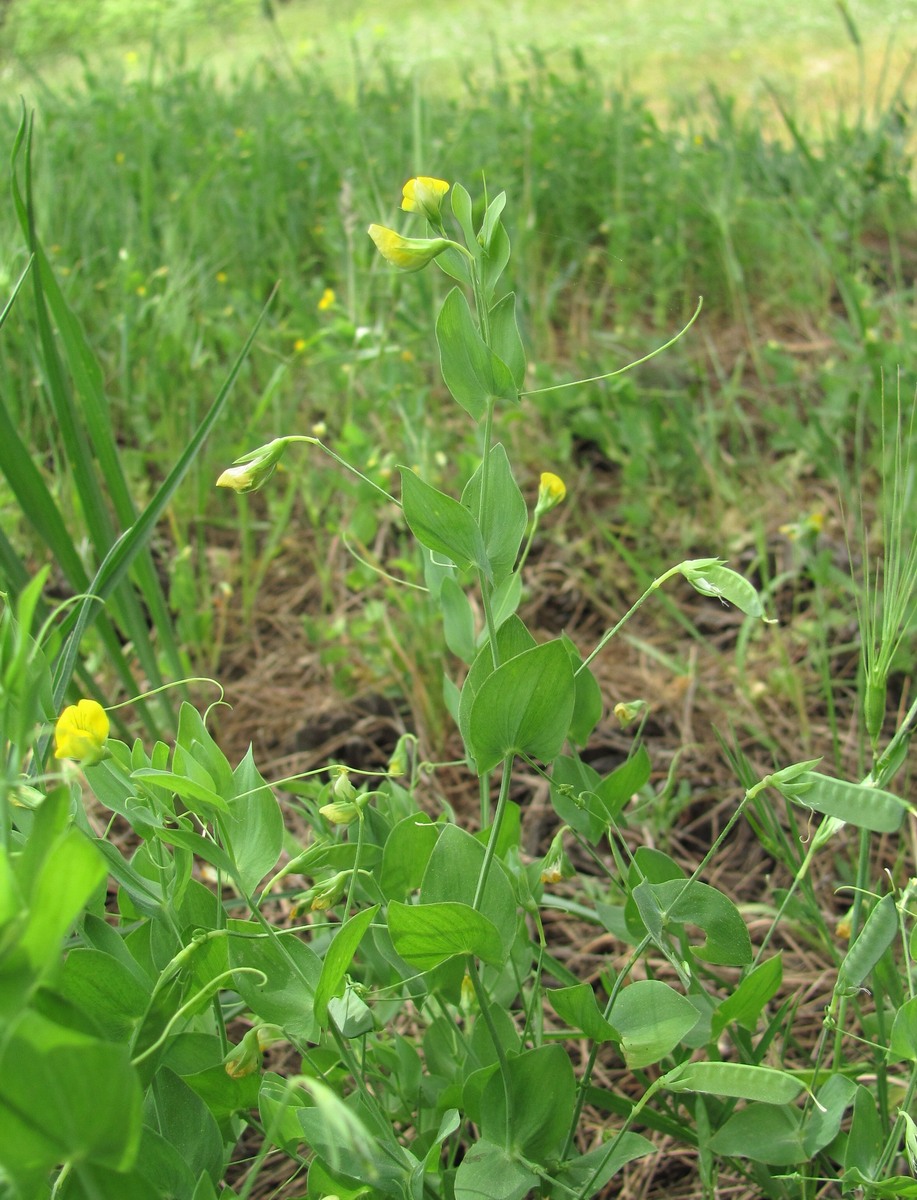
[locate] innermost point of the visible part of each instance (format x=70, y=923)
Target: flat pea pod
x=739, y=1080
x=871, y=943
x=856, y=803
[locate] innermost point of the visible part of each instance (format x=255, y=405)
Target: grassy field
x=186, y=192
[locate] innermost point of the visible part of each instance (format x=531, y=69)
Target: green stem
x=556, y=387
x=609, y=634
x=494, y=832
x=583, y=1085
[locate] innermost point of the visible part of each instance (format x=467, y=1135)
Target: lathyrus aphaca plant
x=484, y=1094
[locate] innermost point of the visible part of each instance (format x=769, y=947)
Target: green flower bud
x=253, y=470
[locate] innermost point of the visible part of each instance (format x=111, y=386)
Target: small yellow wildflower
x=551, y=490
x=425, y=195
x=221, y=276
x=81, y=731
x=408, y=254
x=299, y=345
x=119, y=158
x=327, y=300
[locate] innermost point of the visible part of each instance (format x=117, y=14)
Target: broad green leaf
x=524, y=707
x=70, y=872
x=491, y=218
x=194, y=740
x=187, y=1124
x=323, y=1183
x=573, y=787
x=512, y=639
x=617, y=789
x=442, y=524
x=405, y=855
x=694, y=903
x=291, y=972
x=452, y=874
x=587, y=702
x=579, y=1008
x=472, y=372
x=488, y=1172
x=426, y=935
x=350, y=1014
x=105, y=989
x=458, y=620
x=504, y=515
x=823, y=1120
x=505, y=339
x=903, y=1042
x=65, y=1095
x=866, y=1138
x=767, y=1133
x=530, y=1108
x=739, y=1080
x=590, y=1173
x=196, y=794
x=746, y=1003
x=338, y=958
x=651, y=1018
x=462, y=211
x=253, y=826
x=493, y=262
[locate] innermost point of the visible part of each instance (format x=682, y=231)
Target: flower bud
x=326, y=895
x=555, y=865
x=408, y=254
x=629, y=710
x=245, y=1058
x=551, y=490
x=253, y=470
x=425, y=195
x=81, y=731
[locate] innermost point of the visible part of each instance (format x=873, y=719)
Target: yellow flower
x=81, y=731
x=328, y=298
x=408, y=254
x=551, y=490
x=425, y=195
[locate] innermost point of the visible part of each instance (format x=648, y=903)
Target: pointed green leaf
x=441, y=523
x=504, y=516
x=524, y=707
x=471, y=370
x=426, y=935
x=505, y=337
x=338, y=958
x=652, y=1018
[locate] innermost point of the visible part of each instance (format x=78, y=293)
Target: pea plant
x=154, y=996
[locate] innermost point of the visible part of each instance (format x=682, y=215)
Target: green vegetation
x=573, y=620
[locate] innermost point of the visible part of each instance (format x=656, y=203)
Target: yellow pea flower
x=81, y=731
x=327, y=300
x=425, y=195
x=408, y=254
x=551, y=490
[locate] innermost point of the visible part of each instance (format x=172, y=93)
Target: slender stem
x=556, y=387
x=494, y=832
x=609, y=634
x=593, y=1053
